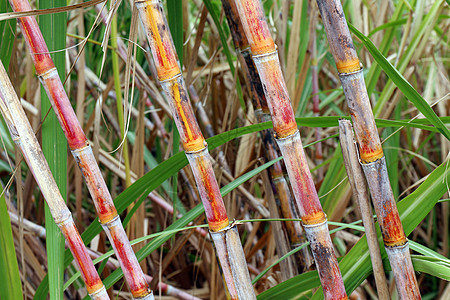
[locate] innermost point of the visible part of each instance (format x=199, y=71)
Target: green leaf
x=175, y=20
x=9, y=269
x=54, y=143
x=7, y=31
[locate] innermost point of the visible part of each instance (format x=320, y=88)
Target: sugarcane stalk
x=82, y=152
x=370, y=151
x=225, y=236
x=359, y=188
x=314, y=220
x=281, y=188
x=23, y=135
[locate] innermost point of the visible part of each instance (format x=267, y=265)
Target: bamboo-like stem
x=281, y=188
x=225, y=236
x=82, y=153
x=359, y=188
x=314, y=219
x=370, y=151
x=23, y=136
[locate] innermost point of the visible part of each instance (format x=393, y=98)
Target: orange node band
x=348, y=66
x=315, y=218
x=195, y=145
x=141, y=293
x=218, y=225
x=168, y=73
x=394, y=243
x=105, y=218
x=368, y=157
x=263, y=47
x=290, y=129
x=94, y=288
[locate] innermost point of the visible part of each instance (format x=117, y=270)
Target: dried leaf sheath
x=82, y=152
x=229, y=249
x=371, y=153
x=314, y=220
x=25, y=139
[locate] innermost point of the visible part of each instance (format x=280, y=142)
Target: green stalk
x=116, y=74
x=9, y=269
x=54, y=144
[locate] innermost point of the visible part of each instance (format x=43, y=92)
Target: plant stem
x=82, y=152
x=359, y=188
x=9, y=268
x=314, y=219
x=280, y=186
x=370, y=151
x=25, y=139
x=225, y=236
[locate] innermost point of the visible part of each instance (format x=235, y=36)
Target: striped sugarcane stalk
x=360, y=193
x=225, y=236
x=370, y=151
x=281, y=188
x=82, y=153
x=314, y=220
x=23, y=135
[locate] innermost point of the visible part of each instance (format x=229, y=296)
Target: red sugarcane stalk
x=370, y=151
x=314, y=219
x=225, y=237
x=281, y=188
x=82, y=153
x=23, y=136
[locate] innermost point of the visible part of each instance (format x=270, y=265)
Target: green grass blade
x=11, y=285
x=175, y=19
x=54, y=144
x=400, y=81
x=7, y=31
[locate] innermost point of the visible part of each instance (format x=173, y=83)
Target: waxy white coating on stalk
x=228, y=245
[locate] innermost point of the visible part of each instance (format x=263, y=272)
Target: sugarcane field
x=224, y=149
